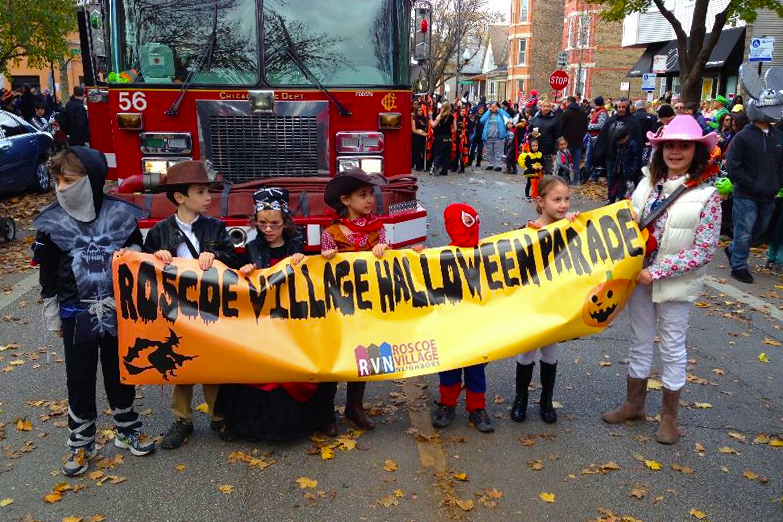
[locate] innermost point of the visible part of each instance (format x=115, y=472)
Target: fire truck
x=270, y=92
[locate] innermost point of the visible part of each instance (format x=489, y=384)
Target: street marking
x=744, y=297
x=431, y=453
x=18, y=290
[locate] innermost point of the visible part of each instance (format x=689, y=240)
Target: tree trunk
x=65, y=88
x=691, y=88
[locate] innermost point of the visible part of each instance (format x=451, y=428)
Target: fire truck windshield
x=161, y=41
x=342, y=43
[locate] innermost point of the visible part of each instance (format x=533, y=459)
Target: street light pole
x=459, y=37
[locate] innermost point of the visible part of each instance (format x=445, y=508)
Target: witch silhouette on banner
x=163, y=358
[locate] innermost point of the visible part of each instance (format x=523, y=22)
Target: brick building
x=597, y=61
x=532, y=45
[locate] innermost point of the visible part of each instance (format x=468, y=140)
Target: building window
x=520, y=89
x=571, y=32
x=522, y=14
x=491, y=90
x=522, y=51
x=584, y=30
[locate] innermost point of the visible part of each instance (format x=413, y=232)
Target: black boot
x=354, y=407
x=524, y=374
x=548, y=373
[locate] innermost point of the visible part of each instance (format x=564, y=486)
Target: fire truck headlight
x=130, y=121
x=158, y=165
x=370, y=164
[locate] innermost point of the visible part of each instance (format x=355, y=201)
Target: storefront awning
x=720, y=55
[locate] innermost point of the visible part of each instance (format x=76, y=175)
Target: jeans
x=775, y=250
x=589, y=158
x=670, y=321
x=476, y=150
x=610, y=178
x=495, y=152
x=576, y=158
x=751, y=219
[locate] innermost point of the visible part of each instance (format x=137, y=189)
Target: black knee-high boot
x=524, y=374
x=548, y=373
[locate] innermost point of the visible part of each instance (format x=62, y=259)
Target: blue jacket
x=501, y=124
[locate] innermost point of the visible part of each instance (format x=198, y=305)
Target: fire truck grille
x=245, y=148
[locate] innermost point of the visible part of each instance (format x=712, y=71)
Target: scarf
x=365, y=224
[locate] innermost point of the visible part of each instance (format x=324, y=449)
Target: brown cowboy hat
x=185, y=173
x=343, y=183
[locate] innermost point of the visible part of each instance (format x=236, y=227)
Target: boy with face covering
x=462, y=225
x=77, y=238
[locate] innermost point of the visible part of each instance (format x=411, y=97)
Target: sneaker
x=743, y=276
x=177, y=434
x=528, y=199
x=443, y=416
x=769, y=265
x=138, y=443
x=78, y=460
x=480, y=419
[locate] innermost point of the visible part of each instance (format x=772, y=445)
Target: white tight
x=548, y=355
x=670, y=321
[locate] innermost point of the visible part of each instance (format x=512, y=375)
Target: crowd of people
x=582, y=142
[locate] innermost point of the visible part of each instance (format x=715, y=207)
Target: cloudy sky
x=504, y=6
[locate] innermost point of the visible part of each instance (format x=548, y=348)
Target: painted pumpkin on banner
x=604, y=302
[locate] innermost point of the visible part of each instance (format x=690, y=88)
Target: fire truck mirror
x=262, y=101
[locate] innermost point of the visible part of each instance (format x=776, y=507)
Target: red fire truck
x=271, y=92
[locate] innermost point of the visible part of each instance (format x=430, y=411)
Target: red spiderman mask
x=462, y=225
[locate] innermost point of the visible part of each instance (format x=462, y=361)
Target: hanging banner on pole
x=357, y=317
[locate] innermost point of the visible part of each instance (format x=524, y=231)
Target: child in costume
x=532, y=163
x=686, y=234
x=77, y=238
x=462, y=225
x=351, y=194
x=563, y=160
x=190, y=234
x=511, y=148
x=552, y=204
x=274, y=411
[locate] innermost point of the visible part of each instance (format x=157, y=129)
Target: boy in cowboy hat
x=190, y=234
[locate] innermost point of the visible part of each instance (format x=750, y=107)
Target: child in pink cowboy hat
x=687, y=235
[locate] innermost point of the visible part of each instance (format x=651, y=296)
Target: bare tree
x=476, y=17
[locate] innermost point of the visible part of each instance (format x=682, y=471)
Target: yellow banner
x=356, y=317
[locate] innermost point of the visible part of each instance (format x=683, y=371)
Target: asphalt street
x=727, y=468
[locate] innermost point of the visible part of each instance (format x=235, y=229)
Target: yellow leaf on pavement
x=698, y=514
x=771, y=342
x=701, y=304
x=653, y=465
x=702, y=405
x=739, y=436
x=226, y=489
x=654, y=384
x=24, y=425
x=388, y=501
x=72, y=519
x=761, y=439
x=461, y=476
x=465, y=505
x=390, y=465
x=346, y=444
x=398, y=493
x=776, y=442
x=718, y=371
x=181, y=467
x=6, y=502
x=97, y=518
x=682, y=469
x=202, y=408
x=53, y=497
x=750, y=475
x=763, y=357
x=327, y=453
x=95, y=475
x=724, y=469
x=547, y=497
x=305, y=482
x=728, y=450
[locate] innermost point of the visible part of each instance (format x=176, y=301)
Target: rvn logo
x=374, y=360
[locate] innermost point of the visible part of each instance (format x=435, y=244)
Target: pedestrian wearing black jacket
x=548, y=126
x=77, y=126
x=573, y=127
x=190, y=234
x=604, y=147
x=755, y=167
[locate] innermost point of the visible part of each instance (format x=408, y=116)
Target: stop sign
x=558, y=80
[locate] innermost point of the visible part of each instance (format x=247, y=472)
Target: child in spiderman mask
x=462, y=225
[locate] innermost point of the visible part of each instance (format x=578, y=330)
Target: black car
x=24, y=152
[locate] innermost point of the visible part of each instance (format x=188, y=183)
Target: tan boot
x=633, y=407
x=667, y=430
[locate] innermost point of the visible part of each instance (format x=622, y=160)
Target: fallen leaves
x=306, y=483
x=738, y=436
x=728, y=450
x=226, y=489
x=701, y=304
x=549, y=498
x=702, y=405
x=750, y=475
x=682, y=469
x=390, y=465
x=252, y=460
x=388, y=501
x=654, y=384
x=653, y=465
x=327, y=453
x=638, y=492
x=771, y=342
x=536, y=465
x=202, y=408
x=181, y=467
x=763, y=357
x=6, y=502
x=698, y=514
x=24, y=425
x=462, y=477
x=603, y=469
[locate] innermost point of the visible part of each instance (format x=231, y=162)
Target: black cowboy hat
x=343, y=183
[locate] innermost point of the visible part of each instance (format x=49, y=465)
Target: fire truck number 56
x=137, y=100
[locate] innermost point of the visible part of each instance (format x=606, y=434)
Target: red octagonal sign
x=558, y=80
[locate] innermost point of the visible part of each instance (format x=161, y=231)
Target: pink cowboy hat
x=683, y=128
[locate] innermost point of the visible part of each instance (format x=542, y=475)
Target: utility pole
x=458, y=55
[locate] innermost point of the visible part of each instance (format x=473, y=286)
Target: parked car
x=24, y=152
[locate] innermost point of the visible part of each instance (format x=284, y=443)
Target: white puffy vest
x=679, y=234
